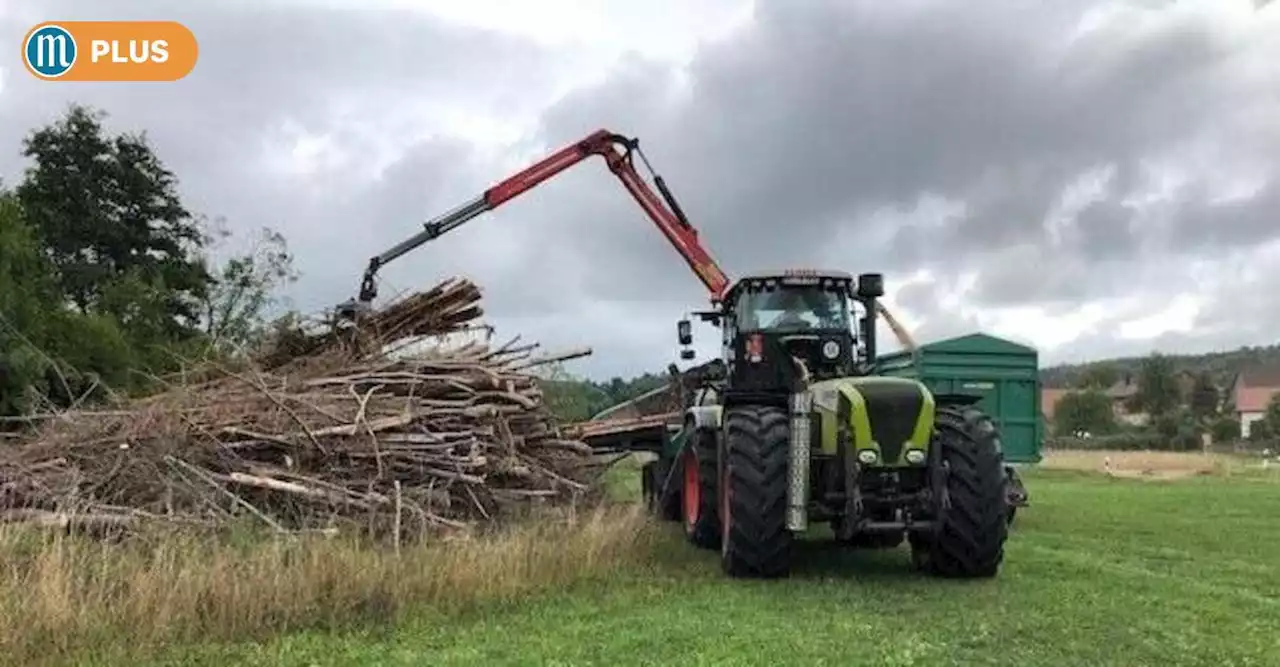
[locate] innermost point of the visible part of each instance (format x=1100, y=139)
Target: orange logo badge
x=110, y=51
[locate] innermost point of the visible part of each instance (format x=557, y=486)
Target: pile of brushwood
x=343, y=429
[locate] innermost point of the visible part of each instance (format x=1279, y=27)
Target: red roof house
x=1252, y=391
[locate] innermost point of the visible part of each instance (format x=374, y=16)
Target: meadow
x=1127, y=566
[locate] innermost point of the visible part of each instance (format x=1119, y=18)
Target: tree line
x=107, y=279
x=1222, y=367
x=574, y=399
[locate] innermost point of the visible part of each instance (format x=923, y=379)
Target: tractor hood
x=892, y=417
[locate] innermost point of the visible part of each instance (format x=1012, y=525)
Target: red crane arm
x=663, y=210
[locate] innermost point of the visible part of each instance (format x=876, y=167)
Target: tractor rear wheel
x=698, y=491
x=753, y=501
x=973, y=521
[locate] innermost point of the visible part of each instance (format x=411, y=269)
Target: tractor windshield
x=792, y=308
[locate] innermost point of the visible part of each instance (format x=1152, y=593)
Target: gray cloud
x=1060, y=166
x=867, y=109
x=217, y=127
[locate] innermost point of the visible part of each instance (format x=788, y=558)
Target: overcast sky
x=1096, y=178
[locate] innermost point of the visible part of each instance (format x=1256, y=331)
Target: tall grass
x=63, y=595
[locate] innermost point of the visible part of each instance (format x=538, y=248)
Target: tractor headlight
x=831, y=349
x=915, y=456
x=868, y=456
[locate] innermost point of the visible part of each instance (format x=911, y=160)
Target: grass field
x=1101, y=571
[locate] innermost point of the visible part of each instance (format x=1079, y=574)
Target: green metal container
x=1005, y=374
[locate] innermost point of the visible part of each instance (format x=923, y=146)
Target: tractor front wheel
x=972, y=508
x=753, y=503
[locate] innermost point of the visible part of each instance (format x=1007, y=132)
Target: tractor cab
x=779, y=328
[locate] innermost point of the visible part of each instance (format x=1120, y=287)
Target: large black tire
x=753, y=508
x=698, y=492
x=971, y=532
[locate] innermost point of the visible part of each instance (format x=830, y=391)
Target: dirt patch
x=1159, y=474
x=1138, y=465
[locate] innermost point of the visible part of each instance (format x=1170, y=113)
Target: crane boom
x=663, y=210
x=617, y=150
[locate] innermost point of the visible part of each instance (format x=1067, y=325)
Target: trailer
x=661, y=440
x=1004, y=374
x=1005, y=378
x=653, y=426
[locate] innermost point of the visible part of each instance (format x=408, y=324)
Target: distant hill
x=1222, y=366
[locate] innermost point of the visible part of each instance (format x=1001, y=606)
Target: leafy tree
x=1225, y=429
x=1100, y=376
x=619, y=390
x=1179, y=429
x=26, y=278
x=108, y=215
x=26, y=286
x=48, y=351
x=571, y=399
x=1204, y=396
x=1269, y=426
x=104, y=279
x=236, y=305
x=1272, y=414
x=1089, y=410
x=1158, y=392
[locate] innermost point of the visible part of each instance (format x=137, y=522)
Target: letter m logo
x=50, y=51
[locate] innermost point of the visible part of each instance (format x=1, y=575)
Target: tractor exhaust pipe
x=798, y=487
x=798, y=483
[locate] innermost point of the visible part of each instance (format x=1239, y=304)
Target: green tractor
x=792, y=428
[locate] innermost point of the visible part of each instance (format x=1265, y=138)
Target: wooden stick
x=396, y=528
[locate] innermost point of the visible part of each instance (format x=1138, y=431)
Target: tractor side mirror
x=685, y=331
x=870, y=285
x=686, y=354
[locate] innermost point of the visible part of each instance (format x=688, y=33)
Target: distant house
x=1252, y=391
